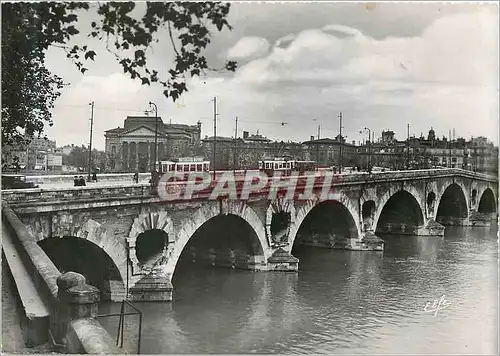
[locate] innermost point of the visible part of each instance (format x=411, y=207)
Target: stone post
x=77, y=300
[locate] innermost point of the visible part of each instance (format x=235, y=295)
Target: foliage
x=79, y=157
x=28, y=88
x=29, y=29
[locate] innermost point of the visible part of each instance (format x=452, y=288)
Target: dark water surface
x=339, y=302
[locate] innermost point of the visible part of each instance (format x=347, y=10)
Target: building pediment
x=142, y=130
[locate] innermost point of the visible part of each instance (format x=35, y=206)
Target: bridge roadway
x=144, y=237
x=54, y=189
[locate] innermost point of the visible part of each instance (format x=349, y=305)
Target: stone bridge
x=125, y=239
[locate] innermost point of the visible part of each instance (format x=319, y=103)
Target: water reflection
x=340, y=302
x=211, y=305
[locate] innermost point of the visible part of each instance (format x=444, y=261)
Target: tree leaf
x=90, y=54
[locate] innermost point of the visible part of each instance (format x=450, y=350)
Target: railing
x=143, y=190
x=121, y=323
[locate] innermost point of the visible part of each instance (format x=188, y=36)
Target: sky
x=383, y=65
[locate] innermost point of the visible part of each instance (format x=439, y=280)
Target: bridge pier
x=432, y=228
x=454, y=221
x=482, y=219
x=152, y=288
x=369, y=242
x=282, y=261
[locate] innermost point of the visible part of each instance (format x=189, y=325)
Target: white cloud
x=248, y=48
x=445, y=78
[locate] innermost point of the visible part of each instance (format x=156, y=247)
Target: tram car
x=286, y=166
x=185, y=165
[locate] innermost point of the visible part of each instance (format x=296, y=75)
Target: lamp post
x=369, y=147
x=317, y=143
x=90, y=142
x=215, y=130
x=156, y=133
x=340, y=143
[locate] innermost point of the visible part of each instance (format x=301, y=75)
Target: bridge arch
x=71, y=253
x=349, y=226
x=453, y=207
x=487, y=202
x=400, y=212
x=211, y=210
x=149, y=227
x=83, y=227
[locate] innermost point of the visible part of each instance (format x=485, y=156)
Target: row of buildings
x=41, y=155
x=132, y=148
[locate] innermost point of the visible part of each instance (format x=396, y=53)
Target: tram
x=286, y=166
x=186, y=164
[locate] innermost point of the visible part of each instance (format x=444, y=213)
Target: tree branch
x=172, y=38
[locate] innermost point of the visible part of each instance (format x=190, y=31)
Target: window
x=113, y=150
x=199, y=167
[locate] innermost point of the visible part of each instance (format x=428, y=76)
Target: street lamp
x=156, y=133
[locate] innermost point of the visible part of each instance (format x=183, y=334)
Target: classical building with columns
x=131, y=148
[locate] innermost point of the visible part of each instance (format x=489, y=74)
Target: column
x=137, y=156
x=149, y=155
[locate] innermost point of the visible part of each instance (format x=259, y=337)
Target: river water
x=339, y=302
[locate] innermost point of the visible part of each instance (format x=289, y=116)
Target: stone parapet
x=87, y=336
x=76, y=324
